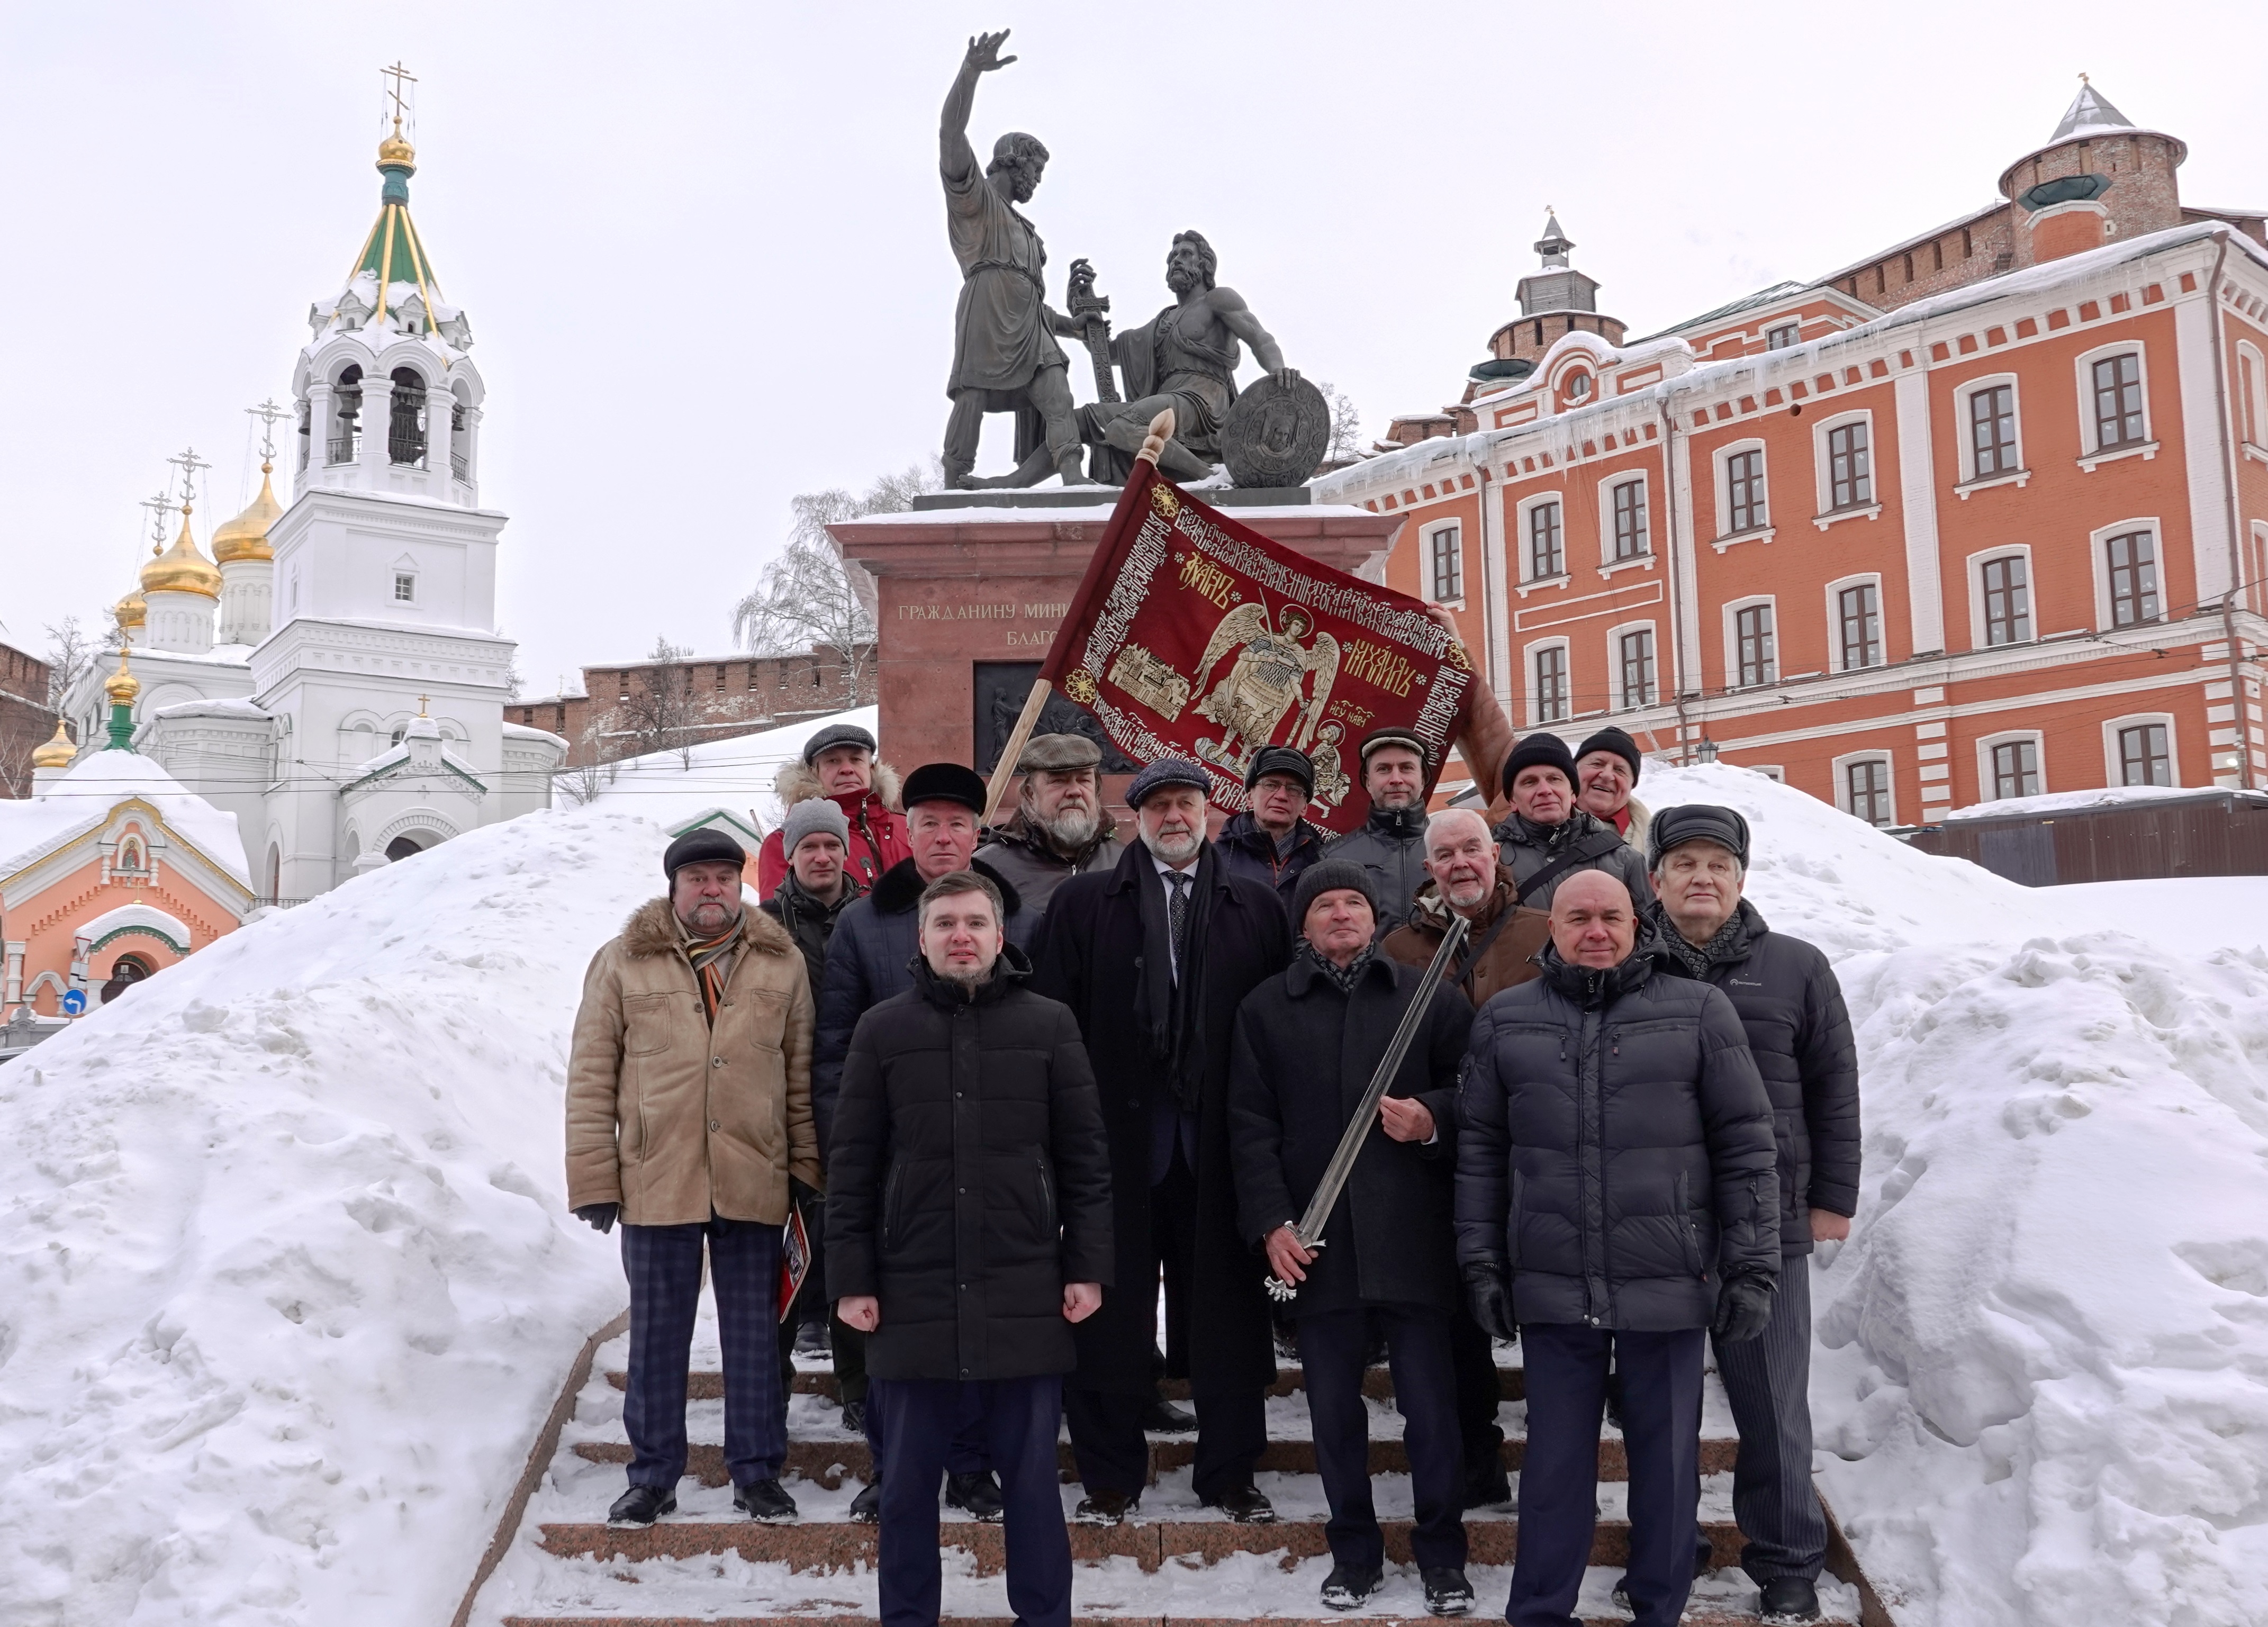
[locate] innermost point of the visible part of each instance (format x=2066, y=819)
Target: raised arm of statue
x=1237, y=317
x=955, y=156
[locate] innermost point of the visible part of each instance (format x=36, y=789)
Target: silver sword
x=1309, y=1232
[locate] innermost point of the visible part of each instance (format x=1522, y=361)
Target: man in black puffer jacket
x=968, y=1213
x=1799, y=1034
x=1615, y=1196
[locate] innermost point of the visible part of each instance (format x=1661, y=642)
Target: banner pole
x=1004, y=772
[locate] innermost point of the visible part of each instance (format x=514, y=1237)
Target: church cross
x=399, y=76
x=268, y=412
x=188, y=462
x=161, y=507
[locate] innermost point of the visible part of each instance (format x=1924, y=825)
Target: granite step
x=839, y=1545
x=1693, y=1617
x=706, y=1384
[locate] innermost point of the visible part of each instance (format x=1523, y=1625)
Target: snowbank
x=286, y=1283
x=2042, y=1369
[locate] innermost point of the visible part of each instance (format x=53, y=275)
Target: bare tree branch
x=659, y=710
x=1346, y=425
x=71, y=651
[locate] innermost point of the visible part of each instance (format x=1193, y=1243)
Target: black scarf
x=1551, y=837
x=1170, y=1010
x=1730, y=942
x=1342, y=977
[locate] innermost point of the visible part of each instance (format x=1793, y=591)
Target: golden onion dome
x=246, y=537
x=395, y=148
x=58, y=751
x=180, y=569
x=121, y=686
x=132, y=611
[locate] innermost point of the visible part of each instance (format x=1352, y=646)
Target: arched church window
x=405, y=434
x=275, y=872
x=401, y=847
x=306, y=430
x=346, y=427
x=460, y=456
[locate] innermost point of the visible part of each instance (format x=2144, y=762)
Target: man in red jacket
x=838, y=764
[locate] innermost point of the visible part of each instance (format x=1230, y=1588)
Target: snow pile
x=2043, y=1358
x=286, y=1283
x=735, y=774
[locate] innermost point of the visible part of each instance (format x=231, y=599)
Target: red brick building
x=26, y=721
x=643, y=706
x=1984, y=515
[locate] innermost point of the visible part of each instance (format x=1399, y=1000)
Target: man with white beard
x=1058, y=829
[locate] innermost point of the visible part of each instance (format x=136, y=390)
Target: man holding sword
x=1342, y=1106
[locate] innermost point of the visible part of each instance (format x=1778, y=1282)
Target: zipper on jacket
x=890, y=1201
x=1046, y=1199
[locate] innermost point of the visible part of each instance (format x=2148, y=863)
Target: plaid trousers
x=662, y=1263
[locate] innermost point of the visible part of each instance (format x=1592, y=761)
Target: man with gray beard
x=1058, y=829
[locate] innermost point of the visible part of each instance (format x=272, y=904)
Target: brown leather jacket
x=674, y=1121
x=1503, y=963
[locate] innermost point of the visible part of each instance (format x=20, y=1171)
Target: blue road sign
x=74, y=1002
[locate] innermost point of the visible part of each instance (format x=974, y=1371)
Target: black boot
x=867, y=1507
x=1448, y=1593
x=1789, y=1599
x=641, y=1505
x=1348, y=1588
x=766, y=1501
x=979, y=1494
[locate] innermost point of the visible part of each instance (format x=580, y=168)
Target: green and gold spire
x=393, y=253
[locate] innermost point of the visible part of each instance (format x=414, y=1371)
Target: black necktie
x=1177, y=917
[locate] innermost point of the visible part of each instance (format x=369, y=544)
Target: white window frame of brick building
x=1771, y=771
x=2095, y=451
x=404, y=588
x=1965, y=395
x=1523, y=583
x=1841, y=768
x=1838, y=651
x=1978, y=641
x=1610, y=517
x=1454, y=533
x=2252, y=399
x=1531, y=656
x=1784, y=336
x=1990, y=757
x=2098, y=543
x=1865, y=506
x=1759, y=513
x=1531, y=515
x=1733, y=666
x=2114, y=753
x=1615, y=673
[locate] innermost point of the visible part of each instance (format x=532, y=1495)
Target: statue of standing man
x=1004, y=356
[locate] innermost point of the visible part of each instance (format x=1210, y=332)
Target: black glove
x=803, y=1196
x=1744, y=1306
x=1488, y=1291
x=600, y=1217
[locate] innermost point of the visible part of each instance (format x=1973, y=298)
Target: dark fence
x=2214, y=832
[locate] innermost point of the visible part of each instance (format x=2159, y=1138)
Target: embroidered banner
x=1192, y=636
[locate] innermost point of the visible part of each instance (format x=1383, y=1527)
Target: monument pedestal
x=970, y=597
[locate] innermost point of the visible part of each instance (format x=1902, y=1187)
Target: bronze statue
x=1004, y=356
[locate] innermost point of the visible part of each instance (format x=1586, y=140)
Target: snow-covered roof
x=82, y=799
x=216, y=707
x=2074, y=801
x=2090, y=111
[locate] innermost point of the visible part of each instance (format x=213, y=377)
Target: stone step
x=838, y=1545
x=1377, y=1383
x=1693, y=1617
x=828, y=1461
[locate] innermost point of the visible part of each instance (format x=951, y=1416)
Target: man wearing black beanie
x=1607, y=766
x=1546, y=838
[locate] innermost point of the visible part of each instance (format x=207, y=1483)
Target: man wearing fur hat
x=688, y=1119
x=838, y=765
x=1272, y=840
x=1059, y=828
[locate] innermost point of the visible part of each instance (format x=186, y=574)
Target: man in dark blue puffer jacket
x=1616, y=1197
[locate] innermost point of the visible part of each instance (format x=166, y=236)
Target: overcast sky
x=703, y=253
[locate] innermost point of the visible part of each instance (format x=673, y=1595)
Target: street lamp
x=1706, y=750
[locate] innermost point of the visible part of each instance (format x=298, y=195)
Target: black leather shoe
x=764, y=1500
x=1347, y=1589
x=854, y=1416
x=1789, y=1599
x=1489, y=1491
x=1163, y=1418
x=811, y=1339
x=867, y=1507
x=1448, y=1593
x=1105, y=1508
x=641, y=1505
x=978, y=1494
x=1247, y=1505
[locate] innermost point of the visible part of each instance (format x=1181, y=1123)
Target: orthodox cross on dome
x=188, y=462
x=268, y=412
x=420, y=706
x=161, y=508
x=400, y=77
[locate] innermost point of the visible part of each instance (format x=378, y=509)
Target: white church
x=332, y=673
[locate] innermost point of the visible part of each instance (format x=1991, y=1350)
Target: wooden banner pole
x=1011, y=751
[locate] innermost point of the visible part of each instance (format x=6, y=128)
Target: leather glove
x=599, y=1217
x=1744, y=1306
x=1488, y=1291
x=803, y=1195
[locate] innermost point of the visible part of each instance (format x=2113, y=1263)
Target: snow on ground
x=286, y=1283
x=735, y=774
x=2042, y=1374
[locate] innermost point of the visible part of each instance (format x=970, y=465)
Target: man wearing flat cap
x=1272, y=840
x=1391, y=844
x=689, y=1120
x=869, y=960
x=1059, y=828
x=839, y=766
x=1153, y=957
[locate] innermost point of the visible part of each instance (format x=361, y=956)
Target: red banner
x=1195, y=637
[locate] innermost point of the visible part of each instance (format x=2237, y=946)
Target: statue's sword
x=1309, y=1232
x=1085, y=303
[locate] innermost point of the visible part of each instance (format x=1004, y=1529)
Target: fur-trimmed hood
x=797, y=782
x=651, y=930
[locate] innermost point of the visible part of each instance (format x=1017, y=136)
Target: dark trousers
x=1480, y=1392
x=1559, y=1477
x=662, y=1263
x=1332, y=1350
x=1016, y=1420
x=1106, y=1426
x=1768, y=1381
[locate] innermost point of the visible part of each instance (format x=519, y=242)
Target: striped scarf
x=712, y=963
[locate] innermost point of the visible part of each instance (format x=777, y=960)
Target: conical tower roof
x=391, y=288
x=2090, y=109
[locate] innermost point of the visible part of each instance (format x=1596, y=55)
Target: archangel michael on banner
x=1192, y=636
